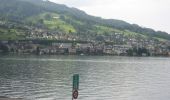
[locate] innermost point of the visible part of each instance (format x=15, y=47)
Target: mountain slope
x=25, y=14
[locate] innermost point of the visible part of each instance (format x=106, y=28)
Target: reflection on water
x=101, y=77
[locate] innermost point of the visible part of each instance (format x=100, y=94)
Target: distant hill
x=17, y=17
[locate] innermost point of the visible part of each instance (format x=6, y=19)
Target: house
x=108, y=49
x=85, y=48
x=121, y=49
x=72, y=51
x=68, y=48
x=65, y=45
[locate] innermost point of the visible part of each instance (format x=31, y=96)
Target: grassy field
x=53, y=22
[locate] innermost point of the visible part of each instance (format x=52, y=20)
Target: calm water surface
x=101, y=77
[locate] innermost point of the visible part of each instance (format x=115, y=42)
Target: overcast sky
x=147, y=13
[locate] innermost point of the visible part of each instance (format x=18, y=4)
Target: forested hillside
x=19, y=17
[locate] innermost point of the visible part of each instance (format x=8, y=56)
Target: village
x=41, y=42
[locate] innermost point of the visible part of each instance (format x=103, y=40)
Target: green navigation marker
x=75, y=81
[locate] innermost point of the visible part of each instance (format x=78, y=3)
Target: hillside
x=20, y=19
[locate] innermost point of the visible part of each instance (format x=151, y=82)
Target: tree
x=4, y=48
x=47, y=16
x=130, y=52
x=40, y=21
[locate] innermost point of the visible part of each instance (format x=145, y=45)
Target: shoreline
x=33, y=54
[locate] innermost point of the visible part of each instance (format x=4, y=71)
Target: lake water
x=101, y=77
